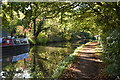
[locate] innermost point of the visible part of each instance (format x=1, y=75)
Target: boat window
x=23, y=41
x=8, y=41
x=17, y=42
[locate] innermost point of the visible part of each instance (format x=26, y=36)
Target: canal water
x=40, y=62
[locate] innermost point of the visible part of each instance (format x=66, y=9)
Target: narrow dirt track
x=85, y=67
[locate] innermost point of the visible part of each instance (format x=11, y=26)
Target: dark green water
x=41, y=61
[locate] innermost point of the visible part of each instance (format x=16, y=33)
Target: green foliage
x=58, y=15
x=32, y=41
x=64, y=64
x=42, y=38
x=108, y=17
x=112, y=52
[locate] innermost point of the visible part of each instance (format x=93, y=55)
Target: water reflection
x=40, y=62
x=45, y=60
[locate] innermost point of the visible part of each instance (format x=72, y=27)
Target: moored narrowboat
x=14, y=46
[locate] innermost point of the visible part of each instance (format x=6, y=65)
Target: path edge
x=66, y=63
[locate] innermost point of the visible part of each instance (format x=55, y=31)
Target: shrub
x=112, y=52
x=42, y=39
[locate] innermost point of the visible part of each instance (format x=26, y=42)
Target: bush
x=112, y=52
x=42, y=39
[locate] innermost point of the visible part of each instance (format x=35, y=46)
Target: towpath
x=87, y=65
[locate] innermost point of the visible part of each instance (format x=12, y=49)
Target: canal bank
x=86, y=63
x=66, y=63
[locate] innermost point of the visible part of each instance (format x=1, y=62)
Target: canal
x=39, y=62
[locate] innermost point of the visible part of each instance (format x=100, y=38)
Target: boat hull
x=15, y=49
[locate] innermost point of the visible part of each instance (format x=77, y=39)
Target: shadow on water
x=40, y=62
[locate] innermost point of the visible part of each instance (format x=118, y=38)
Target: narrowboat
x=14, y=46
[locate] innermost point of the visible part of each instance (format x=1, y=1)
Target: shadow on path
x=85, y=66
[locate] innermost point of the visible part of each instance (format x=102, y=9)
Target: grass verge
x=67, y=61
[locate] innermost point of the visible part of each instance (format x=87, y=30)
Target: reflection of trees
x=42, y=61
x=45, y=60
x=37, y=70
x=10, y=70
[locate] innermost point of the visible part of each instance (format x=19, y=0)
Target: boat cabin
x=14, y=41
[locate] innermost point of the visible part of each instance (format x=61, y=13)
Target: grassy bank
x=67, y=62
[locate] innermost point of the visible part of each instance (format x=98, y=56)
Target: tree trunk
x=34, y=27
